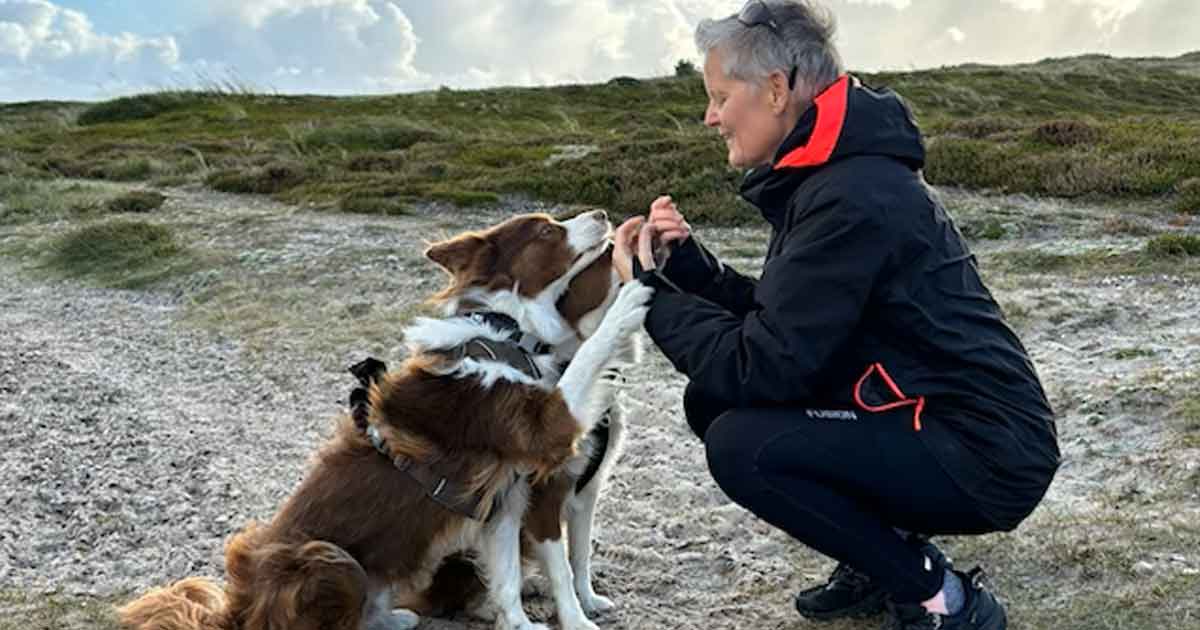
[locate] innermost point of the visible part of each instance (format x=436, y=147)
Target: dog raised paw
x=628, y=312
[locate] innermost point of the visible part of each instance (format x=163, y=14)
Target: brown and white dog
x=362, y=525
x=569, y=495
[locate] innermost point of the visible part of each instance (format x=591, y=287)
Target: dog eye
x=548, y=231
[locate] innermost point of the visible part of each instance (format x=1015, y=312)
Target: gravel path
x=135, y=441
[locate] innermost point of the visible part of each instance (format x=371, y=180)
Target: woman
x=866, y=385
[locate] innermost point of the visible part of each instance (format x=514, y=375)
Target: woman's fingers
x=628, y=231
x=624, y=242
x=673, y=236
x=645, y=246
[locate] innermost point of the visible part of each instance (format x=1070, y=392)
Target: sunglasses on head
x=757, y=13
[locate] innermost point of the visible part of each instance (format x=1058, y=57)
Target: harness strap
x=447, y=492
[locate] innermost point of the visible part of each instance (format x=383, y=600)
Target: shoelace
x=846, y=576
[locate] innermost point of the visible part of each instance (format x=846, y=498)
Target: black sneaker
x=849, y=593
x=981, y=610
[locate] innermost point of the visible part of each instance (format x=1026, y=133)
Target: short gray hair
x=803, y=40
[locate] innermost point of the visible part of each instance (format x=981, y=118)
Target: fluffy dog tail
x=275, y=586
x=191, y=604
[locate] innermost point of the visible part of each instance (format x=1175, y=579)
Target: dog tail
x=272, y=586
x=190, y=604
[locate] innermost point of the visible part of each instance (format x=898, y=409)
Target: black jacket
x=868, y=299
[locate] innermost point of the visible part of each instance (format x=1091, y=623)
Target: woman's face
x=751, y=120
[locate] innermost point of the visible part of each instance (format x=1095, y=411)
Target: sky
x=99, y=49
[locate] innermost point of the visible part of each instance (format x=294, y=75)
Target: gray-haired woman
x=866, y=385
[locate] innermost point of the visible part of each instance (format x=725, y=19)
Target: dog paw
x=596, y=604
x=579, y=624
x=501, y=624
x=397, y=619
x=628, y=312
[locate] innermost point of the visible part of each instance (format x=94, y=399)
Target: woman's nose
x=711, y=119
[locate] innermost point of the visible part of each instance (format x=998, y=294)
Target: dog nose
x=600, y=215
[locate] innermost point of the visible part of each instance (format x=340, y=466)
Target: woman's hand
x=624, y=245
x=635, y=235
x=668, y=222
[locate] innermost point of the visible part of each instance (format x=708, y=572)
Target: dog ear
x=457, y=253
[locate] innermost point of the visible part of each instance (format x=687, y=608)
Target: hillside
x=1077, y=127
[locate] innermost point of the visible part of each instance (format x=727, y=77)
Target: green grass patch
x=1187, y=418
x=373, y=205
x=139, y=107
x=270, y=179
x=27, y=199
x=369, y=135
x=1187, y=199
x=1125, y=354
x=120, y=253
x=27, y=611
x=138, y=201
x=1173, y=246
x=1169, y=254
x=465, y=198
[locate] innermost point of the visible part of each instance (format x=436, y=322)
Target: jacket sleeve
x=693, y=269
x=807, y=304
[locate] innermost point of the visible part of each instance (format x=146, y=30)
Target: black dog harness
x=517, y=351
x=447, y=492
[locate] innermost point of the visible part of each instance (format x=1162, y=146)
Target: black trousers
x=839, y=481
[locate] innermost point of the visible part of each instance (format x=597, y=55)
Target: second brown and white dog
x=571, y=495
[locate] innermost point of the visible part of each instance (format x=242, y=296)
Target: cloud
x=332, y=46
x=45, y=50
x=370, y=46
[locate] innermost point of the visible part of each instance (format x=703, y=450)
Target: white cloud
x=357, y=46
x=50, y=51
x=1105, y=13
x=332, y=46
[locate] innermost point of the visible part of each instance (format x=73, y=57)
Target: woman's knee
x=730, y=449
x=700, y=410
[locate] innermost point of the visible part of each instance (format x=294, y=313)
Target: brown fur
x=530, y=247
x=356, y=522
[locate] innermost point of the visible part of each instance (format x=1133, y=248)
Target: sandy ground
x=136, y=440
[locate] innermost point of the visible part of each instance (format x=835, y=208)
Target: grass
x=136, y=201
x=24, y=611
x=1170, y=254
x=24, y=200
x=1084, y=126
x=118, y=253
x=1186, y=419
x=1188, y=199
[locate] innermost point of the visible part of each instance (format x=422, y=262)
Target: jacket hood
x=847, y=119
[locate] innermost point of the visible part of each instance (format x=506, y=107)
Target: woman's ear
x=781, y=96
